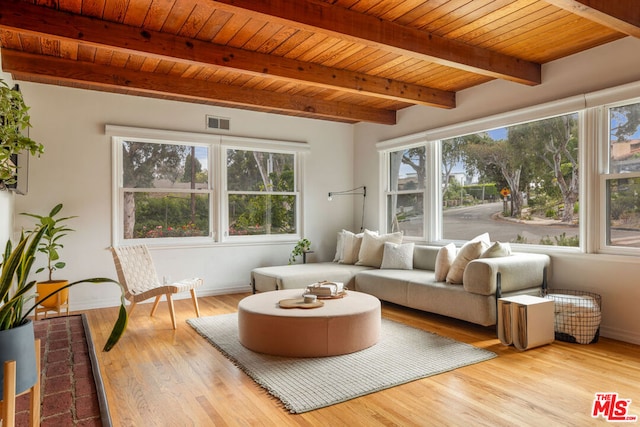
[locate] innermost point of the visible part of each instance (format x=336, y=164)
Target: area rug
x=71, y=386
x=403, y=354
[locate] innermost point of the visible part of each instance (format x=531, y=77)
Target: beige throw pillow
x=339, y=247
x=398, y=257
x=444, y=259
x=467, y=253
x=372, y=248
x=497, y=250
x=484, y=237
x=350, y=247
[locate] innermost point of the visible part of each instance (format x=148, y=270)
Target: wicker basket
x=577, y=315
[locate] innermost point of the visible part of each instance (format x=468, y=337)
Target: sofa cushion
x=424, y=257
x=468, y=252
x=497, y=250
x=387, y=285
x=446, y=256
x=397, y=256
x=299, y=276
x=339, y=246
x=350, y=247
x=372, y=248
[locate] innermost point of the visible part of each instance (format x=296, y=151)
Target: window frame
x=218, y=201
x=432, y=140
x=387, y=192
x=605, y=175
x=592, y=109
x=224, y=213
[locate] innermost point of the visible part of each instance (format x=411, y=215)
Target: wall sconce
x=358, y=191
x=352, y=192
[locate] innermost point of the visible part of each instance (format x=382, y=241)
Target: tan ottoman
x=341, y=326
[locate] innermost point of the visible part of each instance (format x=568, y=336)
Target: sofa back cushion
x=372, y=247
x=424, y=257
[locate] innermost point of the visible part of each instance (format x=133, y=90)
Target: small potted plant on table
x=302, y=248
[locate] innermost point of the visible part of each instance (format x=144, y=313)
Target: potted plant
x=16, y=329
x=50, y=246
x=300, y=249
x=14, y=119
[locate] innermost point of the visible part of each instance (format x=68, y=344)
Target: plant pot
x=18, y=344
x=54, y=301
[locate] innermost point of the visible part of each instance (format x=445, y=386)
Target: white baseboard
x=620, y=334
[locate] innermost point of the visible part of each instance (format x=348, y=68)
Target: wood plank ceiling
x=342, y=60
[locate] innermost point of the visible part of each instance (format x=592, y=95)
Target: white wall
x=614, y=64
x=76, y=171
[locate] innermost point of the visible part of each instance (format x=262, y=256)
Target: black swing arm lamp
x=362, y=190
x=358, y=191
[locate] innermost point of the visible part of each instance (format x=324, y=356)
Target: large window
x=165, y=190
x=622, y=177
x=261, y=192
x=519, y=183
x=195, y=188
x=405, y=193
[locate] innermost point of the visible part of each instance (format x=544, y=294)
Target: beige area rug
x=403, y=354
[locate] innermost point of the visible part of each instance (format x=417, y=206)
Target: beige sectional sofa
x=474, y=300
x=484, y=280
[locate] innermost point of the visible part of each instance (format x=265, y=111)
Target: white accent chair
x=137, y=273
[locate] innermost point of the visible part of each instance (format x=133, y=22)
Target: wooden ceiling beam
x=44, y=21
x=619, y=15
x=102, y=77
x=316, y=15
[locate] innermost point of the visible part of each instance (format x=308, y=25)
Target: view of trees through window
x=405, y=199
x=623, y=190
x=261, y=192
x=519, y=183
x=165, y=190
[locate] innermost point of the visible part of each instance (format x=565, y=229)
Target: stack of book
x=525, y=321
x=325, y=289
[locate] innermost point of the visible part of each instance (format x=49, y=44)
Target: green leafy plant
x=299, y=249
x=14, y=119
x=55, y=230
x=15, y=288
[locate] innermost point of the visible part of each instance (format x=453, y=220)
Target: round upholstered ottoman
x=341, y=326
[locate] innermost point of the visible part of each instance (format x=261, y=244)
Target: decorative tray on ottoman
x=326, y=290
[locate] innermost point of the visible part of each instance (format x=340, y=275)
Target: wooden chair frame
x=137, y=273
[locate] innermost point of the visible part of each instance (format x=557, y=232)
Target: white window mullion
x=433, y=193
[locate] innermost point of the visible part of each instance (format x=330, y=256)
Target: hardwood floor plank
x=160, y=377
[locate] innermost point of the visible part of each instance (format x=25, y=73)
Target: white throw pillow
x=484, y=237
x=467, y=253
x=398, y=257
x=444, y=259
x=350, y=247
x=497, y=250
x=339, y=246
x=372, y=247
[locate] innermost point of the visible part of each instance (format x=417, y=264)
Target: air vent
x=214, y=122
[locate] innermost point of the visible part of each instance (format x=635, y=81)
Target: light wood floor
x=159, y=377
